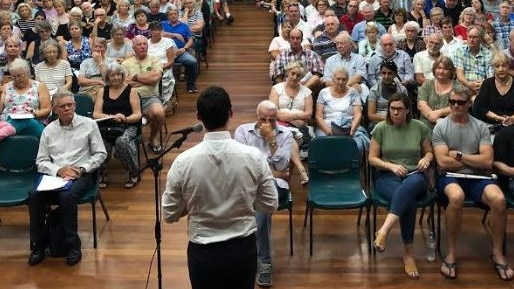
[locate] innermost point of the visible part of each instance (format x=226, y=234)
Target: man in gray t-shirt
x=462, y=144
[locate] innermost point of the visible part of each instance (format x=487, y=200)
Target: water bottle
x=431, y=247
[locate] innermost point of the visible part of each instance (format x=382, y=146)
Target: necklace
x=503, y=82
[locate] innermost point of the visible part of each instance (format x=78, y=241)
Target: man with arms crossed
x=462, y=144
x=219, y=183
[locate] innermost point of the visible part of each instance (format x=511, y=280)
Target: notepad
x=50, y=183
x=104, y=118
x=21, y=115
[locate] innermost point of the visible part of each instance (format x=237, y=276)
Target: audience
x=462, y=144
x=401, y=153
x=92, y=70
x=53, y=71
x=274, y=142
x=359, y=28
x=411, y=44
x=121, y=102
x=424, y=60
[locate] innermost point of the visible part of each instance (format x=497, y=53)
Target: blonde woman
x=466, y=19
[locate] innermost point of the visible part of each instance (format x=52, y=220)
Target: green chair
x=18, y=172
x=377, y=200
x=85, y=105
x=334, y=175
x=287, y=203
x=90, y=197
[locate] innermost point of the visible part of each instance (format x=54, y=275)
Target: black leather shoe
x=36, y=257
x=74, y=257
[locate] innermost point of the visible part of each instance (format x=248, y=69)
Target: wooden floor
x=238, y=61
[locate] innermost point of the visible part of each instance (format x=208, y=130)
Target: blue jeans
x=264, y=231
x=403, y=194
x=189, y=61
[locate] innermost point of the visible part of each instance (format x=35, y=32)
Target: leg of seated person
x=297, y=161
x=126, y=150
x=156, y=116
x=27, y=126
x=67, y=200
x=37, y=212
x=189, y=61
x=453, y=217
x=494, y=198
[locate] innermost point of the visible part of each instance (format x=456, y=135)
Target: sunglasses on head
x=457, y=102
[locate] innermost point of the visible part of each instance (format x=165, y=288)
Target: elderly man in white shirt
x=424, y=60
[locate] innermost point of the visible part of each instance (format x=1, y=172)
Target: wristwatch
x=134, y=78
x=82, y=170
x=458, y=156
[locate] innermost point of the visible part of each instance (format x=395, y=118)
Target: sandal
x=499, y=268
x=156, y=149
x=451, y=267
x=410, y=268
x=132, y=182
x=102, y=184
x=380, y=240
x=304, y=178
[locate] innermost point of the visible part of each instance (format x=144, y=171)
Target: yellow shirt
x=134, y=66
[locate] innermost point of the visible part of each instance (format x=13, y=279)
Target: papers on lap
x=50, y=183
x=104, y=118
x=21, y=115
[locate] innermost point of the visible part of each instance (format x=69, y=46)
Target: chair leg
x=290, y=231
x=104, y=208
x=438, y=235
x=93, y=212
x=368, y=228
x=420, y=221
x=310, y=233
x=306, y=213
x=359, y=217
x=374, y=227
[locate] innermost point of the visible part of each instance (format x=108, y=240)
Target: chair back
x=18, y=153
x=333, y=155
x=85, y=105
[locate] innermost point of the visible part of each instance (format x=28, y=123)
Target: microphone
x=197, y=127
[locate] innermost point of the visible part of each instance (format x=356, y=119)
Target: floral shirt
x=20, y=103
x=133, y=31
x=76, y=56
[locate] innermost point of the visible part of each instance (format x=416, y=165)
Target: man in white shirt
x=424, y=60
x=71, y=147
x=450, y=42
x=219, y=184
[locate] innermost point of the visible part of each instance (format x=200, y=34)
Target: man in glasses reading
x=462, y=144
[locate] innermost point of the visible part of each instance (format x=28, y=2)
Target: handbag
x=338, y=130
x=110, y=132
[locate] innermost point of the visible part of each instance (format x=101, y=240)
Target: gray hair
x=61, y=93
x=44, y=25
x=76, y=10
x=461, y=90
x=413, y=25
x=49, y=43
x=341, y=70
x=295, y=64
x=118, y=27
x=266, y=105
x=19, y=64
x=100, y=40
x=137, y=39
x=113, y=67
x=171, y=8
x=14, y=40
x=122, y=2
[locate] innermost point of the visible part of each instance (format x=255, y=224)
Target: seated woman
x=120, y=102
x=339, y=106
x=140, y=27
x=54, y=72
x=118, y=48
x=5, y=33
x=466, y=19
x=44, y=31
x=433, y=95
x=412, y=44
x=76, y=51
x=379, y=93
x=370, y=45
x=91, y=72
x=24, y=102
x=294, y=102
x=494, y=103
x=401, y=152
x=12, y=50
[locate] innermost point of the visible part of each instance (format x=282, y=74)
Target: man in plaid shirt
x=311, y=61
x=503, y=25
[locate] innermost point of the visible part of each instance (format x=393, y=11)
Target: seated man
x=311, y=61
x=155, y=15
x=436, y=15
x=358, y=31
x=325, y=45
x=181, y=34
x=274, y=141
x=353, y=63
x=101, y=27
x=462, y=144
x=71, y=147
x=473, y=61
x=399, y=57
x=144, y=72
x=424, y=60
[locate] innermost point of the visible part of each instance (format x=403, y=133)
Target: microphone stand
x=155, y=165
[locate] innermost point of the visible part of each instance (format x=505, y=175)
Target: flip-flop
x=380, y=240
x=450, y=267
x=501, y=267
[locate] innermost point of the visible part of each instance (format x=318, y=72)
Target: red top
x=349, y=22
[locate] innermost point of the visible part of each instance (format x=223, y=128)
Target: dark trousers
x=230, y=264
x=67, y=201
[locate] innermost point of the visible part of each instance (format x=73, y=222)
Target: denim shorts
x=473, y=188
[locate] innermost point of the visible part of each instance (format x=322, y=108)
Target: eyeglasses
x=397, y=108
x=265, y=119
x=457, y=102
x=354, y=6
